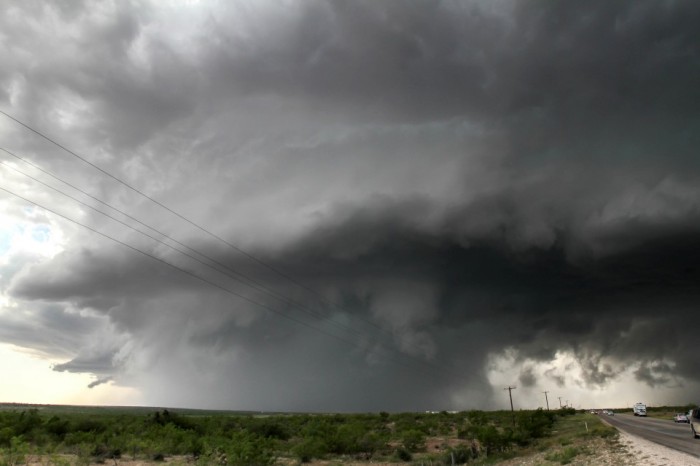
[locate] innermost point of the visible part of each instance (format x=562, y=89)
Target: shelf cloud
x=375, y=199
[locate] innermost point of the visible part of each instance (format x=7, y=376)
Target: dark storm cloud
x=50, y=329
x=539, y=300
x=96, y=278
x=134, y=91
x=472, y=177
x=94, y=364
x=452, y=58
x=527, y=377
x=97, y=382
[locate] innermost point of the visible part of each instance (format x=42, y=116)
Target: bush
x=245, y=449
x=566, y=411
x=413, y=440
x=309, y=449
x=89, y=425
x=534, y=424
x=57, y=427
x=403, y=455
x=6, y=434
x=16, y=453
x=490, y=438
x=460, y=455
x=269, y=429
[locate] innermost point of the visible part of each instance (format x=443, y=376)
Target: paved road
x=667, y=433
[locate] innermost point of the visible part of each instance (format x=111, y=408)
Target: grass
x=571, y=437
x=86, y=434
x=564, y=456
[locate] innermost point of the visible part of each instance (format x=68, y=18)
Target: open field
x=128, y=436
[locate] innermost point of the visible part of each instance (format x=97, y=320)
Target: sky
x=350, y=206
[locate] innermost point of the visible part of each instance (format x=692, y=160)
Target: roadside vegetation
x=88, y=436
x=577, y=436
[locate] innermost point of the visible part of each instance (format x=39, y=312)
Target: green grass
x=96, y=434
x=563, y=456
x=570, y=438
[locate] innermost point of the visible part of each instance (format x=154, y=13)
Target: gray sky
x=442, y=198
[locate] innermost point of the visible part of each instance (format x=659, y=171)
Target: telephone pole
x=559, y=401
x=510, y=394
x=545, y=398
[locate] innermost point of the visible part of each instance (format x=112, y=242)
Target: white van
x=640, y=409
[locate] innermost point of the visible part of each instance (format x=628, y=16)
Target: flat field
x=63, y=435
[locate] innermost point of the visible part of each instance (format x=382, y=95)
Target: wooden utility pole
x=510, y=394
x=545, y=398
x=559, y=401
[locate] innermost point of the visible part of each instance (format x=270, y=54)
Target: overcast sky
x=395, y=205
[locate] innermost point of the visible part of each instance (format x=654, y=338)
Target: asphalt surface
x=664, y=432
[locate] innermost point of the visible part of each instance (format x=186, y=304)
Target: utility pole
x=510, y=394
x=559, y=402
x=567, y=403
x=545, y=398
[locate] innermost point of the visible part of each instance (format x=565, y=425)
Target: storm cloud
x=424, y=188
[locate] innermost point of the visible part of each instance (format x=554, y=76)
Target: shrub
x=57, y=427
x=460, y=455
x=533, y=424
x=16, y=453
x=308, y=449
x=491, y=439
x=269, y=429
x=245, y=449
x=89, y=425
x=6, y=434
x=403, y=455
x=413, y=440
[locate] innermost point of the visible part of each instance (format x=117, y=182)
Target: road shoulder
x=648, y=453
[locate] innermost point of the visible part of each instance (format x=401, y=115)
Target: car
x=611, y=412
x=694, y=421
x=680, y=417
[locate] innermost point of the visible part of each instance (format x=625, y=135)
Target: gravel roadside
x=652, y=454
x=625, y=450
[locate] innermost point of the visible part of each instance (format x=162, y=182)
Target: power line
x=229, y=272
x=199, y=227
x=256, y=285
x=280, y=273
x=213, y=284
x=182, y=217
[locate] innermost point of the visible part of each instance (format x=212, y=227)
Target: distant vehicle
x=680, y=417
x=610, y=412
x=640, y=409
x=694, y=420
